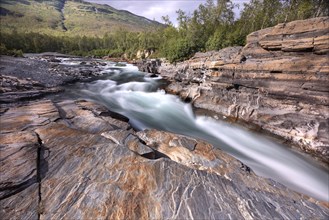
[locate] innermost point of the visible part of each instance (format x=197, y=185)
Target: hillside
x=69, y=17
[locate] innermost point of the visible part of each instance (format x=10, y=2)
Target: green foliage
x=213, y=26
x=115, y=53
x=218, y=40
x=210, y=27
x=177, y=50
x=13, y=52
x=78, y=18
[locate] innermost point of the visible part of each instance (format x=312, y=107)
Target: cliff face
x=278, y=81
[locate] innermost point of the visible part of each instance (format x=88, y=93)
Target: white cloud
x=153, y=9
x=156, y=9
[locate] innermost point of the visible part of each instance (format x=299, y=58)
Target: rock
x=13, y=89
x=134, y=144
x=18, y=162
x=71, y=170
x=21, y=205
x=31, y=78
x=278, y=81
x=54, y=60
x=117, y=136
x=149, y=66
x=142, y=54
x=26, y=117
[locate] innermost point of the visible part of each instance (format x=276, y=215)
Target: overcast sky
x=155, y=9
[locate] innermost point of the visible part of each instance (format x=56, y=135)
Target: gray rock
x=278, y=82
x=83, y=175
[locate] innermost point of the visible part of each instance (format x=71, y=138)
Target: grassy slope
x=81, y=18
x=30, y=15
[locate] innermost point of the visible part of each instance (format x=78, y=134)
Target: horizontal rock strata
x=278, y=81
x=72, y=160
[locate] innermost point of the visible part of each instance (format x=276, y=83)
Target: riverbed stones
x=277, y=81
x=38, y=75
x=65, y=168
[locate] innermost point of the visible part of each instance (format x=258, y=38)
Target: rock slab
x=56, y=164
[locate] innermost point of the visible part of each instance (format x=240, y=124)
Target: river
x=138, y=96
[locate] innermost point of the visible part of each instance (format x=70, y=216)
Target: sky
x=155, y=9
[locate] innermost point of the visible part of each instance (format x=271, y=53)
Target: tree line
x=211, y=26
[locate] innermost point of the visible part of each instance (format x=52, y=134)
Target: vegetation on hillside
x=68, y=18
x=211, y=27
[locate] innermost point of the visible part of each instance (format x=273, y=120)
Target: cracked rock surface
x=57, y=164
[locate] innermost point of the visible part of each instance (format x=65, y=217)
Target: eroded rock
x=278, y=81
x=74, y=171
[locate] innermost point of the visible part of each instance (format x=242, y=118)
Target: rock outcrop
x=149, y=66
x=72, y=160
x=278, y=81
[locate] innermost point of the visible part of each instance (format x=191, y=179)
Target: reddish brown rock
x=77, y=172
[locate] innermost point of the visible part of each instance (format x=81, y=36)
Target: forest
x=210, y=27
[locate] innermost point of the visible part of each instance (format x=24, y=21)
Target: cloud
x=156, y=9
x=153, y=9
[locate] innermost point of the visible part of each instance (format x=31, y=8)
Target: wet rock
x=74, y=171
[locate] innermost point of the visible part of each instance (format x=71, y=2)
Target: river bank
x=278, y=82
x=76, y=159
x=63, y=156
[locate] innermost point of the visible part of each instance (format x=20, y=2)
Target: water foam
x=148, y=108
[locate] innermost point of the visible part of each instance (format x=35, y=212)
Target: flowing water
x=129, y=92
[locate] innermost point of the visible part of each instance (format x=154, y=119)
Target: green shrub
x=115, y=53
x=178, y=50
x=3, y=49
x=13, y=52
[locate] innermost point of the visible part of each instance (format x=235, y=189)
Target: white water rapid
x=133, y=94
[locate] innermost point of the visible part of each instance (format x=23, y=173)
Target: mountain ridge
x=69, y=17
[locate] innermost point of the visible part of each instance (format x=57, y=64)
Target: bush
x=14, y=52
x=177, y=50
x=3, y=49
x=115, y=53
x=99, y=53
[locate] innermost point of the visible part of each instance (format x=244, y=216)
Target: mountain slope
x=69, y=17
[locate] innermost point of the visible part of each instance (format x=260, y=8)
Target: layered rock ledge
x=73, y=160
x=278, y=81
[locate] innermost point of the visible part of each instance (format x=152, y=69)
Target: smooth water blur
x=133, y=94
